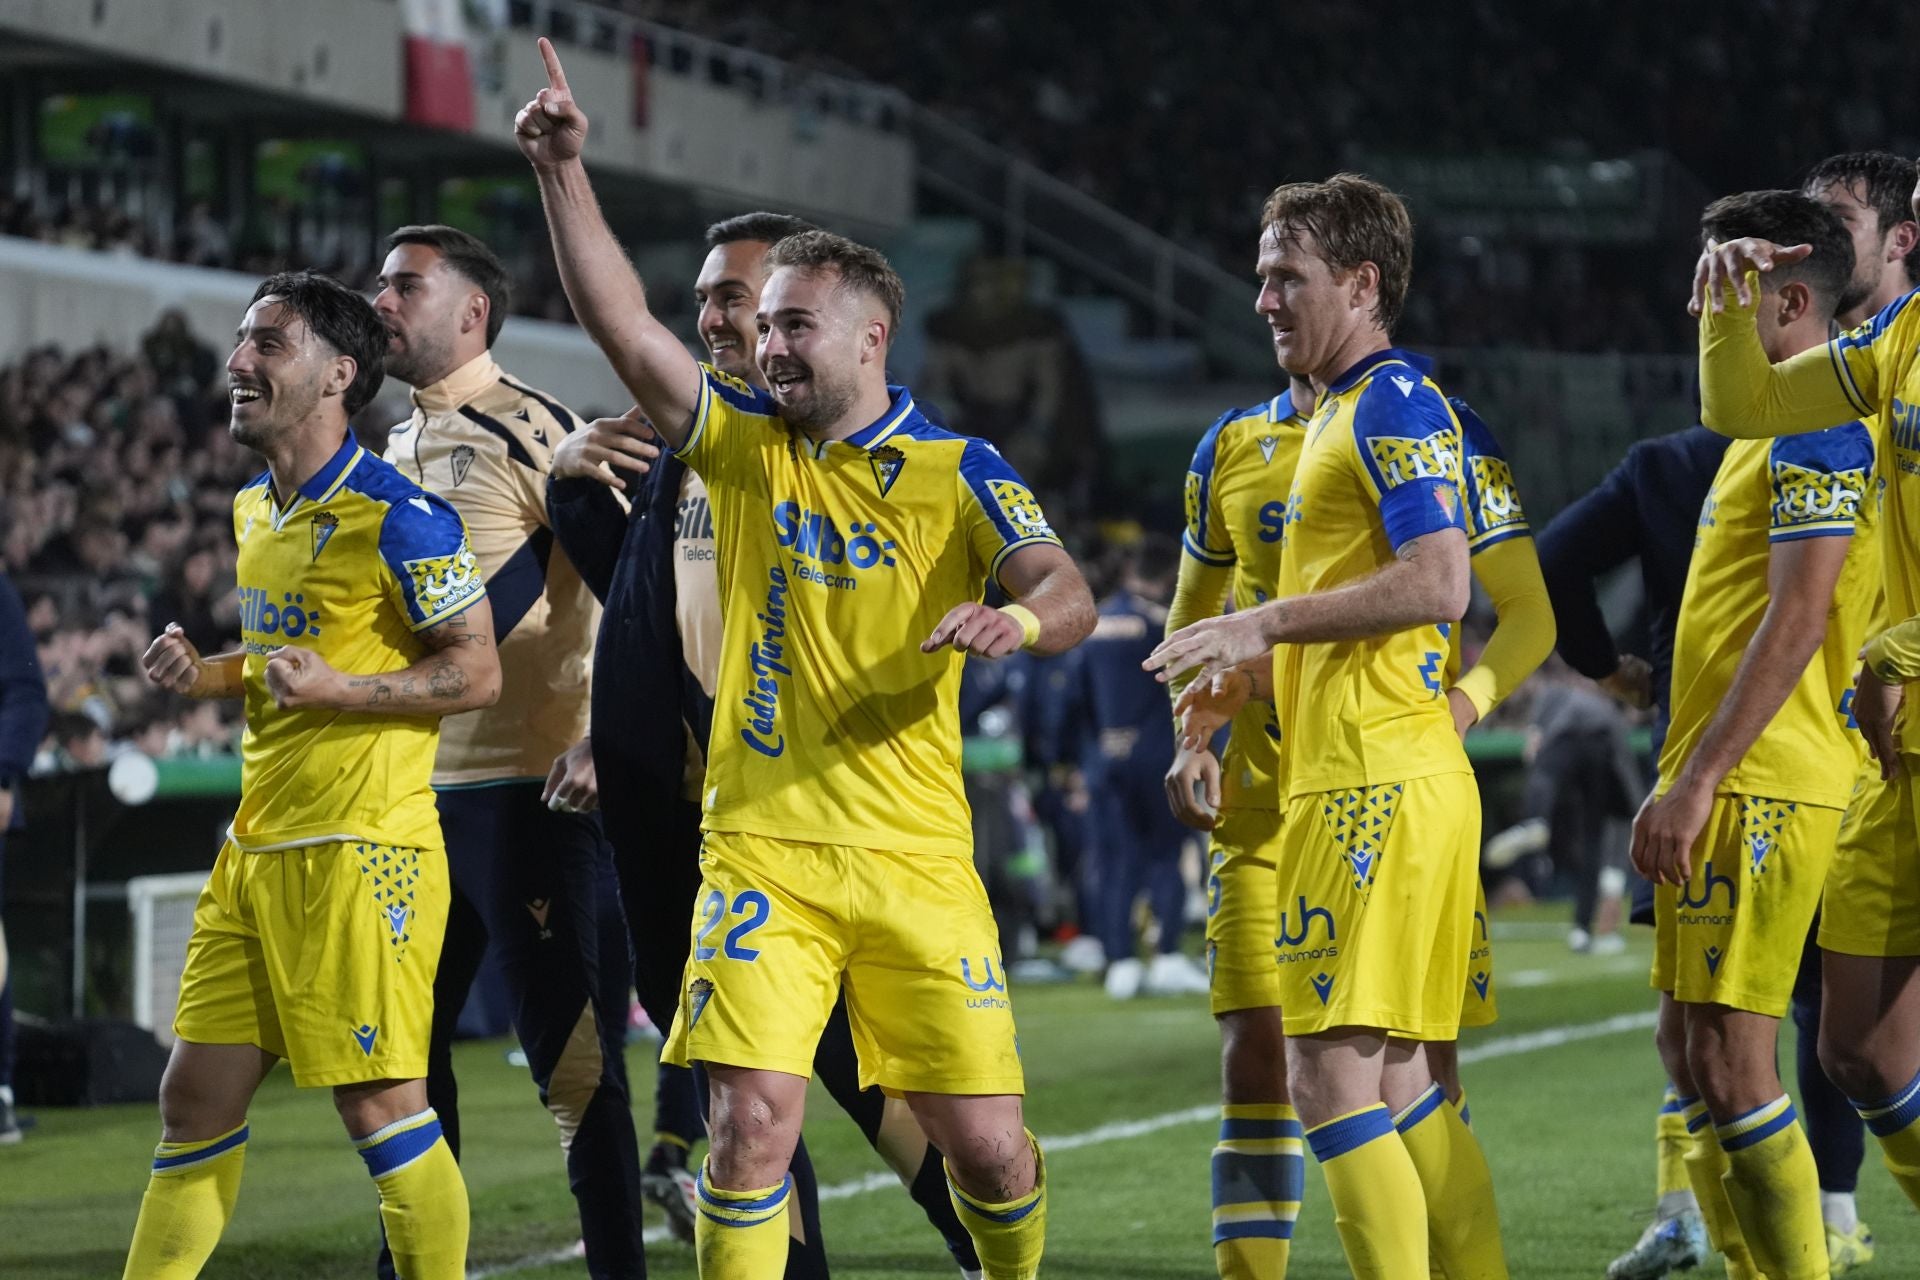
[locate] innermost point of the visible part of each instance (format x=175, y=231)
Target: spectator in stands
x=23, y=716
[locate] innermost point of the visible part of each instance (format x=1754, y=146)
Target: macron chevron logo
x=1322, y=985
x=365, y=1035
x=1406, y=385
x=397, y=920
x=1267, y=445
x=1714, y=956
x=1361, y=860
x=1760, y=846
x=1480, y=981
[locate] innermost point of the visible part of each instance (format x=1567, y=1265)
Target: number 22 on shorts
x=750, y=907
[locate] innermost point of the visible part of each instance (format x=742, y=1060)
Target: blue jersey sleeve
x=1820, y=481
x=424, y=546
x=1205, y=538
x=1003, y=515
x=1492, y=499
x=1409, y=448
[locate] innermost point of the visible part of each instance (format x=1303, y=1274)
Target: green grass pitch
x=1563, y=1092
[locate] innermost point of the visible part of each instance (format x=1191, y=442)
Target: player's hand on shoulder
x=551, y=129
x=299, y=678
x=975, y=629
x=606, y=447
x=1721, y=265
x=1193, y=787
x=572, y=784
x=171, y=661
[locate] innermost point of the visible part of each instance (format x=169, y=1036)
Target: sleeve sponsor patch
x=442, y=583
x=1020, y=508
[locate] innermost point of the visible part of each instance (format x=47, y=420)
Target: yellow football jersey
x=1880, y=375
x=358, y=562
x=1237, y=505
x=485, y=443
x=1381, y=465
x=1818, y=484
x=836, y=560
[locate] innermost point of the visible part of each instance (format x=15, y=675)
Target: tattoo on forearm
x=446, y=680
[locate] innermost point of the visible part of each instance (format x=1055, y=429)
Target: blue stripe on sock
x=1423, y=1106
x=1245, y=1179
x=1759, y=1133
x=763, y=1204
x=1237, y=1128
x=1671, y=1105
x=1899, y=1111
x=1271, y=1230
x=1005, y=1217
x=402, y=1149
x=1338, y=1137
x=166, y=1164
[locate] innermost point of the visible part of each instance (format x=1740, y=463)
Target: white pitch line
x=1121, y=1130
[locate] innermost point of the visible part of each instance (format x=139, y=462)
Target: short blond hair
x=860, y=268
x=1352, y=220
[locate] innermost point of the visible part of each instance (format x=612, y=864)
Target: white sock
x=1837, y=1211
x=1675, y=1203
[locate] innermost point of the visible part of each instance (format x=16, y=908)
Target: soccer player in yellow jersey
x=1380, y=839
x=854, y=539
x=1257, y=1164
x=533, y=883
x=1758, y=765
x=1870, y=923
x=365, y=621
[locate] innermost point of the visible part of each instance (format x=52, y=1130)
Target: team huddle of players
x=821, y=594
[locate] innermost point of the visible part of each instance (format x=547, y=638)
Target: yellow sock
x=741, y=1235
x=1259, y=1172
x=423, y=1198
x=1775, y=1191
x=1463, y=1224
x=1009, y=1237
x=188, y=1203
x=1895, y=1122
x=1378, y=1206
x=1670, y=1142
x=1706, y=1170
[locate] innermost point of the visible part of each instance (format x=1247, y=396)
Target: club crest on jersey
x=325, y=524
x=462, y=462
x=699, y=991
x=887, y=463
x=1448, y=501
x=1267, y=445
x=1021, y=509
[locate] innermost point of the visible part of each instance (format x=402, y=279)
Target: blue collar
x=1367, y=364
x=899, y=411
x=320, y=485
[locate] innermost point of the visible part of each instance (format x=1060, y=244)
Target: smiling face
x=436, y=318
x=278, y=374
x=1312, y=311
x=816, y=338
x=728, y=294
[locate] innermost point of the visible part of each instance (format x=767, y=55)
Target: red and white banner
x=439, y=70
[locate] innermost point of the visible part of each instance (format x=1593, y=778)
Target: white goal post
x=162, y=910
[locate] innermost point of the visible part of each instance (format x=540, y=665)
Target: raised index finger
x=556, y=75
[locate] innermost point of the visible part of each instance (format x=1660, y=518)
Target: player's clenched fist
x=172, y=662
x=607, y=447
x=298, y=678
x=551, y=129
x=974, y=628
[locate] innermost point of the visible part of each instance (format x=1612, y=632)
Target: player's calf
x=423, y=1198
x=995, y=1175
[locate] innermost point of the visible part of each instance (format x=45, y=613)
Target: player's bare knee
x=193, y=1110
x=370, y=1107
x=994, y=1167
x=1850, y=1064
x=1253, y=1057
x=749, y=1142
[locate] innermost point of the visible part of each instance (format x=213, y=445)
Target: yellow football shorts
x=781, y=924
x=322, y=955
x=1376, y=900
x=1479, y=1007
x=1242, y=910
x=1872, y=902
x=1733, y=934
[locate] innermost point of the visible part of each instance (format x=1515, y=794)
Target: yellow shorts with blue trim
x=1377, y=887
x=780, y=925
x=322, y=955
x=1733, y=934
x=1242, y=909
x=1872, y=902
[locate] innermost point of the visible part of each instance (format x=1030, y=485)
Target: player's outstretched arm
x=460, y=672
x=174, y=664
x=1801, y=576
x=1523, y=630
x=1742, y=394
x=1429, y=581
x=607, y=296
x=1052, y=609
